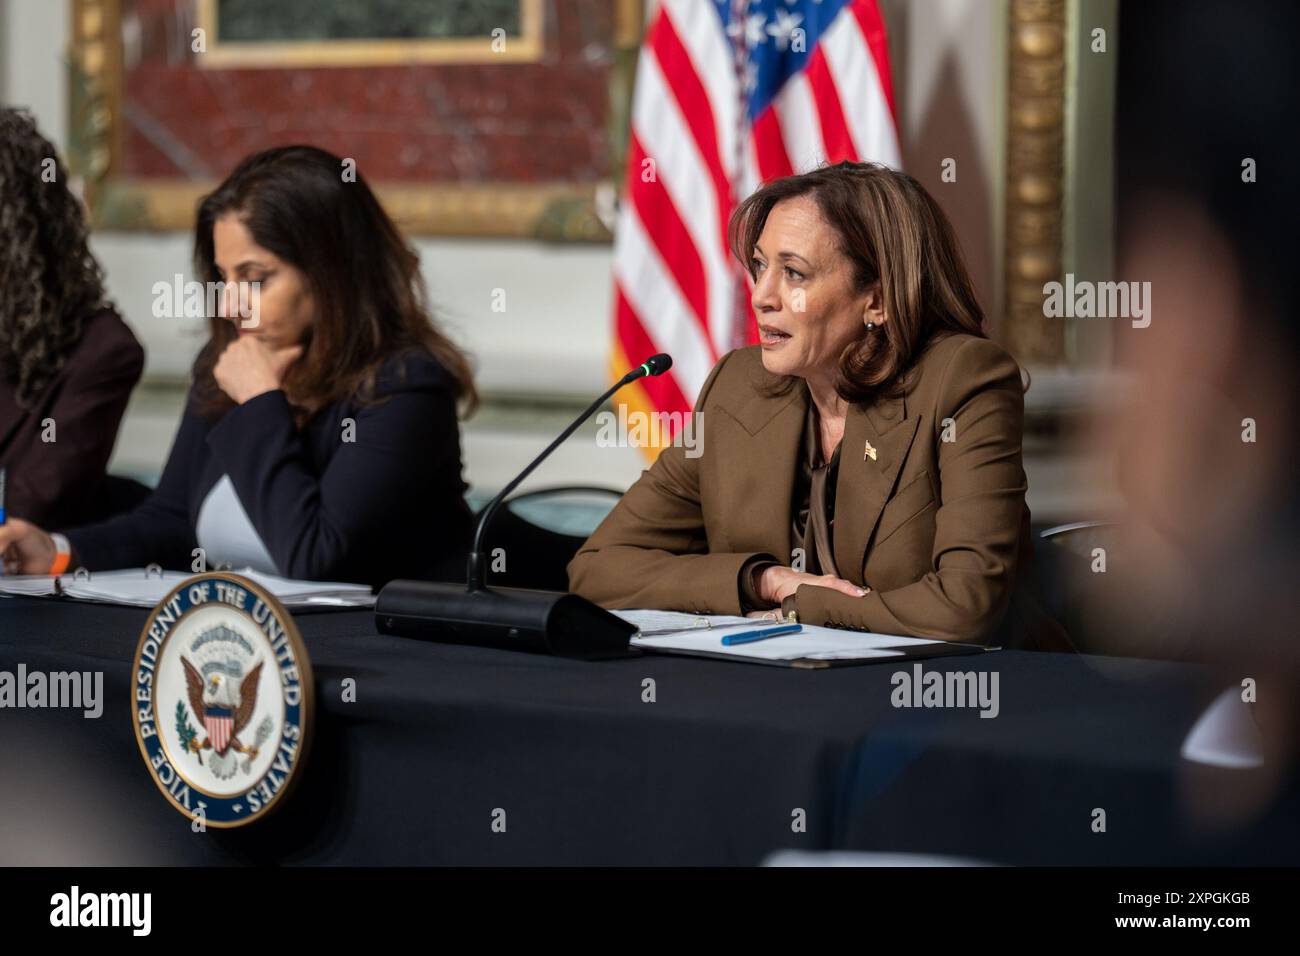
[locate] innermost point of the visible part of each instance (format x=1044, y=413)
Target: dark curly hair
x=49, y=282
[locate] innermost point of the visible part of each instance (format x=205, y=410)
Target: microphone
x=654, y=365
x=511, y=618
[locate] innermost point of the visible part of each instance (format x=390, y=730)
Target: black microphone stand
x=474, y=573
x=548, y=622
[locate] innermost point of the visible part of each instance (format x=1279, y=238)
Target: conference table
x=466, y=756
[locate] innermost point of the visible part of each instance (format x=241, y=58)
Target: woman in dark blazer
x=68, y=362
x=861, y=466
x=320, y=438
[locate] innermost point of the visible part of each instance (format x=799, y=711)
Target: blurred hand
x=777, y=583
x=249, y=367
x=26, y=548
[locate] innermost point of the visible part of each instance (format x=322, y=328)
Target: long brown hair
x=50, y=284
x=364, y=277
x=894, y=233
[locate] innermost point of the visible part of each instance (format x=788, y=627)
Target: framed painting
x=502, y=118
x=252, y=33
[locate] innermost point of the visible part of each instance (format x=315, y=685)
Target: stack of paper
x=136, y=588
x=650, y=623
x=33, y=585
x=672, y=632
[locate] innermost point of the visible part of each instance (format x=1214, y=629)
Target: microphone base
x=514, y=619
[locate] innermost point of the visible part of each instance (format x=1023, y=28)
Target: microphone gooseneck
x=475, y=571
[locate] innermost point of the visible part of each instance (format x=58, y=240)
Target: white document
x=33, y=585
x=787, y=647
x=134, y=588
x=704, y=634
x=665, y=622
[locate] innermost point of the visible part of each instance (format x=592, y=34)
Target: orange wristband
x=62, y=557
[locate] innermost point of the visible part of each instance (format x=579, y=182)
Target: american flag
x=730, y=94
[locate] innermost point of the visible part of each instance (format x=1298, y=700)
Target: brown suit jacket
x=937, y=528
x=57, y=484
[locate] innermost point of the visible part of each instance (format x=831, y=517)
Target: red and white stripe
x=676, y=286
x=219, y=731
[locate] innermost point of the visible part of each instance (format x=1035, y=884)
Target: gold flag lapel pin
x=869, y=452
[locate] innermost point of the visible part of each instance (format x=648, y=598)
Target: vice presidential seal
x=223, y=699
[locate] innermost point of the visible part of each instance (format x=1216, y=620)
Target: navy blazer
x=388, y=503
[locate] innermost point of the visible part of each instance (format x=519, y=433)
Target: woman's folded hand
x=777, y=583
x=249, y=367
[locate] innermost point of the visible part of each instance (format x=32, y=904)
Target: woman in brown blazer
x=861, y=466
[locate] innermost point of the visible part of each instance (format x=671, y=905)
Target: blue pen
x=761, y=634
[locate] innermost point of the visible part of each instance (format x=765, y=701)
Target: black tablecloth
x=440, y=738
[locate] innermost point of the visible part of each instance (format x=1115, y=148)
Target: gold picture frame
x=1058, y=173
x=550, y=211
x=524, y=48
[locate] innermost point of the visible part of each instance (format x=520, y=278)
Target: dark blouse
x=362, y=492
x=814, y=498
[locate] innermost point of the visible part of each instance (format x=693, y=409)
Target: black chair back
x=535, y=535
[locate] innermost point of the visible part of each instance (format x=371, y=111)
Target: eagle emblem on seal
x=224, y=698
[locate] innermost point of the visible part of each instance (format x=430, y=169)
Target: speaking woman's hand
x=777, y=583
x=26, y=548
x=249, y=367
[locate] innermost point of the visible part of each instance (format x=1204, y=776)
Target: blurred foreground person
x=1204, y=566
